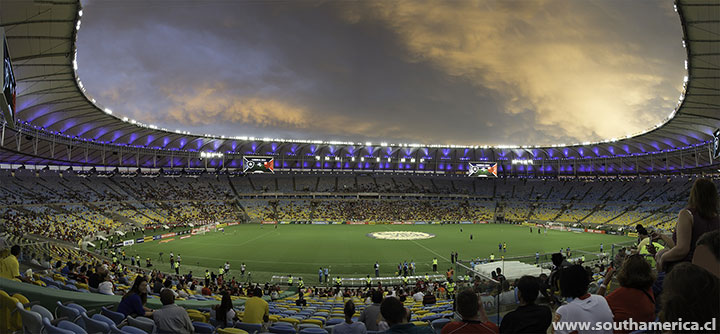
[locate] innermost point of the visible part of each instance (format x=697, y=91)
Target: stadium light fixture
x=362, y=159
x=377, y=159
x=412, y=160
x=352, y=159
x=317, y=157
x=402, y=160
x=211, y=155
x=108, y=111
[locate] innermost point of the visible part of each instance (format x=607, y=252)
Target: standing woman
x=133, y=302
x=700, y=216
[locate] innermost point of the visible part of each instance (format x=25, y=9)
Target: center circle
x=400, y=235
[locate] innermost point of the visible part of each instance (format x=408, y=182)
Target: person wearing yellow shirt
x=257, y=310
x=9, y=266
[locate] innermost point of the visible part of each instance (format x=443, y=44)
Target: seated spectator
x=106, y=286
x=690, y=293
x=634, y=299
x=257, y=311
x=349, y=327
x=370, y=316
x=10, y=267
x=584, y=307
x=707, y=252
x=474, y=319
x=206, y=291
x=224, y=313
x=167, y=285
x=398, y=318
x=700, y=217
x=133, y=302
x=172, y=318
x=429, y=298
x=528, y=317
x=418, y=296
x=301, y=301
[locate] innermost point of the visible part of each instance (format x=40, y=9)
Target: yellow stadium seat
x=197, y=317
x=420, y=323
x=9, y=322
x=231, y=330
x=312, y=321
x=290, y=320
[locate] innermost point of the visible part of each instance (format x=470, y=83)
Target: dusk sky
x=520, y=72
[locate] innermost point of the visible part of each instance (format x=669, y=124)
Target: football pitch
x=348, y=251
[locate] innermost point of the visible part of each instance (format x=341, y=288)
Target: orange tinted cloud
x=551, y=58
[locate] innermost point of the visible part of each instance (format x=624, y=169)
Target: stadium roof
x=52, y=101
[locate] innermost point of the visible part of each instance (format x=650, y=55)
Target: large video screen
x=258, y=164
x=8, y=84
x=482, y=169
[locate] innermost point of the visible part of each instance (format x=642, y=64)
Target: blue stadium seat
x=250, y=328
x=116, y=317
x=201, y=327
x=50, y=329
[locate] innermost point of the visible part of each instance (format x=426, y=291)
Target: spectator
x=707, y=252
x=700, y=217
x=9, y=266
x=474, y=320
x=257, y=311
x=167, y=285
x=528, y=317
x=206, y=291
x=106, y=286
x=690, y=293
x=371, y=314
x=301, y=300
x=398, y=318
x=172, y=318
x=349, y=327
x=429, y=298
x=584, y=307
x=224, y=313
x=634, y=299
x=418, y=296
x=133, y=302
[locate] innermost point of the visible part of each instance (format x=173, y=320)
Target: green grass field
x=349, y=252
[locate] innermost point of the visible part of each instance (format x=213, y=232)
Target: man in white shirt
x=418, y=296
x=584, y=307
x=350, y=327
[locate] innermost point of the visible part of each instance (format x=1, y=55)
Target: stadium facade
x=56, y=122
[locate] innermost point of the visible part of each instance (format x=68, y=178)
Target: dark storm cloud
x=430, y=72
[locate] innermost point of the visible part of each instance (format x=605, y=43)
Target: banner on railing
x=128, y=242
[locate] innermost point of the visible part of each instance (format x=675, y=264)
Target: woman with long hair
x=634, y=299
x=700, y=216
x=133, y=302
x=224, y=313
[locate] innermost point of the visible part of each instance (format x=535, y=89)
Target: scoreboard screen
x=7, y=101
x=482, y=169
x=716, y=144
x=258, y=164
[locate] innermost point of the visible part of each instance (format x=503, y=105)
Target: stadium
x=98, y=202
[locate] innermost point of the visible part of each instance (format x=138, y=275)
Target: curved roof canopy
x=42, y=34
